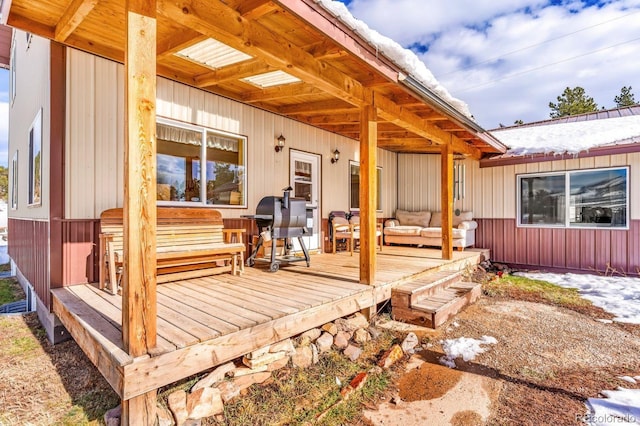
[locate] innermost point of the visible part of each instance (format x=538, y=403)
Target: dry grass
x=42, y=384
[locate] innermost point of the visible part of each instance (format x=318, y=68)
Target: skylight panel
x=213, y=54
x=270, y=79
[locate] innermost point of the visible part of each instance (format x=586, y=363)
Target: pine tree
x=571, y=102
x=625, y=98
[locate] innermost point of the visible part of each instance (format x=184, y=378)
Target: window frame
x=567, y=193
x=14, y=181
x=203, y=155
x=379, y=178
x=34, y=168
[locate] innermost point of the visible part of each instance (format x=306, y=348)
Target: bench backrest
x=175, y=226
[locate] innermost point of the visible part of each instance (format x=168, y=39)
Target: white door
x=305, y=181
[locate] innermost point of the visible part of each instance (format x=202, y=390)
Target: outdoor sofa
x=424, y=228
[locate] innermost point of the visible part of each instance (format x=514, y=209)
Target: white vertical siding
x=95, y=141
x=491, y=192
x=32, y=93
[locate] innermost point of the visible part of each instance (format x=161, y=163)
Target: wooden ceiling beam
x=253, y=9
x=319, y=107
x=326, y=118
x=414, y=123
x=228, y=26
x=177, y=41
x=72, y=17
x=280, y=92
x=29, y=25
x=233, y=72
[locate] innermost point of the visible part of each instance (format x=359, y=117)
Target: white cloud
x=509, y=58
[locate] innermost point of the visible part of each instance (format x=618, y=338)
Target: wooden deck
x=207, y=321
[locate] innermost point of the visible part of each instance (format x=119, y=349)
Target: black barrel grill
x=280, y=218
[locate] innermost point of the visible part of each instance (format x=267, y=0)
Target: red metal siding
x=588, y=250
x=29, y=249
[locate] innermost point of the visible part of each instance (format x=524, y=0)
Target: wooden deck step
x=437, y=307
x=409, y=293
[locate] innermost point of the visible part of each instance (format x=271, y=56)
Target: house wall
x=95, y=141
x=491, y=195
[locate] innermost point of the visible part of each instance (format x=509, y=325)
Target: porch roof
x=339, y=70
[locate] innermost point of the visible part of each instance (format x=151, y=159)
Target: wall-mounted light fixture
x=335, y=156
x=280, y=143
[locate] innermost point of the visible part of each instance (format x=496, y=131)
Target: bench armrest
x=468, y=225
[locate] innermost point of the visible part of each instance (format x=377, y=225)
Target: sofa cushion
x=420, y=218
x=436, y=220
x=437, y=233
x=403, y=230
x=462, y=217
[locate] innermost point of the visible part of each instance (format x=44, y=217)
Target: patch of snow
x=404, y=58
x=605, y=321
x=464, y=347
x=617, y=295
x=621, y=406
x=568, y=138
x=628, y=379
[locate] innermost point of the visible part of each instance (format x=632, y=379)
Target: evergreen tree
x=625, y=98
x=571, y=102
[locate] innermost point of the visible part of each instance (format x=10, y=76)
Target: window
x=14, y=181
x=199, y=165
x=354, y=186
x=596, y=198
x=35, y=160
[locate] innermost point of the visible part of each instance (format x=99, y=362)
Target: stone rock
x=228, y=391
x=344, y=326
x=258, y=352
x=214, y=377
x=177, y=402
x=341, y=340
x=374, y=332
x=330, y=328
x=358, y=321
x=324, y=342
x=303, y=357
x=391, y=356
x=409, y=343
x=361, y=336
x=285, y=346
x=263, y=360
x=309, y=336
x=315, y=356
x=204, y=402
x=193, y=422
x=277, y=365
x=164, y=416
x=354, y=385
x=352, y=352
x=396, y=400
x=113, y=416
x=244, y=371
x=245, y=381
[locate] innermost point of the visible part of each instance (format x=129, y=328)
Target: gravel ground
x=550, y=359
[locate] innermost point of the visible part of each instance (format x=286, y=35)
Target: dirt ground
x=547, y=362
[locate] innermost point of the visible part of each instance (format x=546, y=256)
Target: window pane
x=225, y=170
x=302, y=180
x=598, y=198
x=354, y=182
x=178, y=156
x=542, y=200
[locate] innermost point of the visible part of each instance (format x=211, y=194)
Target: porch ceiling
x=339, y=71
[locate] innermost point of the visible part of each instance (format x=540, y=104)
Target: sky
x=507, y=59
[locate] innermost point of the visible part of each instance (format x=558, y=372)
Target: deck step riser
x=436, y=309
x=411, y=293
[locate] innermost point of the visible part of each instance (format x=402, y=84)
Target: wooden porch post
x=446, y=178
x=368, y=193
x=139, y=274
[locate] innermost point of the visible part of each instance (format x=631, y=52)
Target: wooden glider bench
x=190, y=242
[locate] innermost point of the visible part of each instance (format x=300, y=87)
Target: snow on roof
x=404, y=58
x=569, y=137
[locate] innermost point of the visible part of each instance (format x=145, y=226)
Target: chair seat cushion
x=403, y=230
